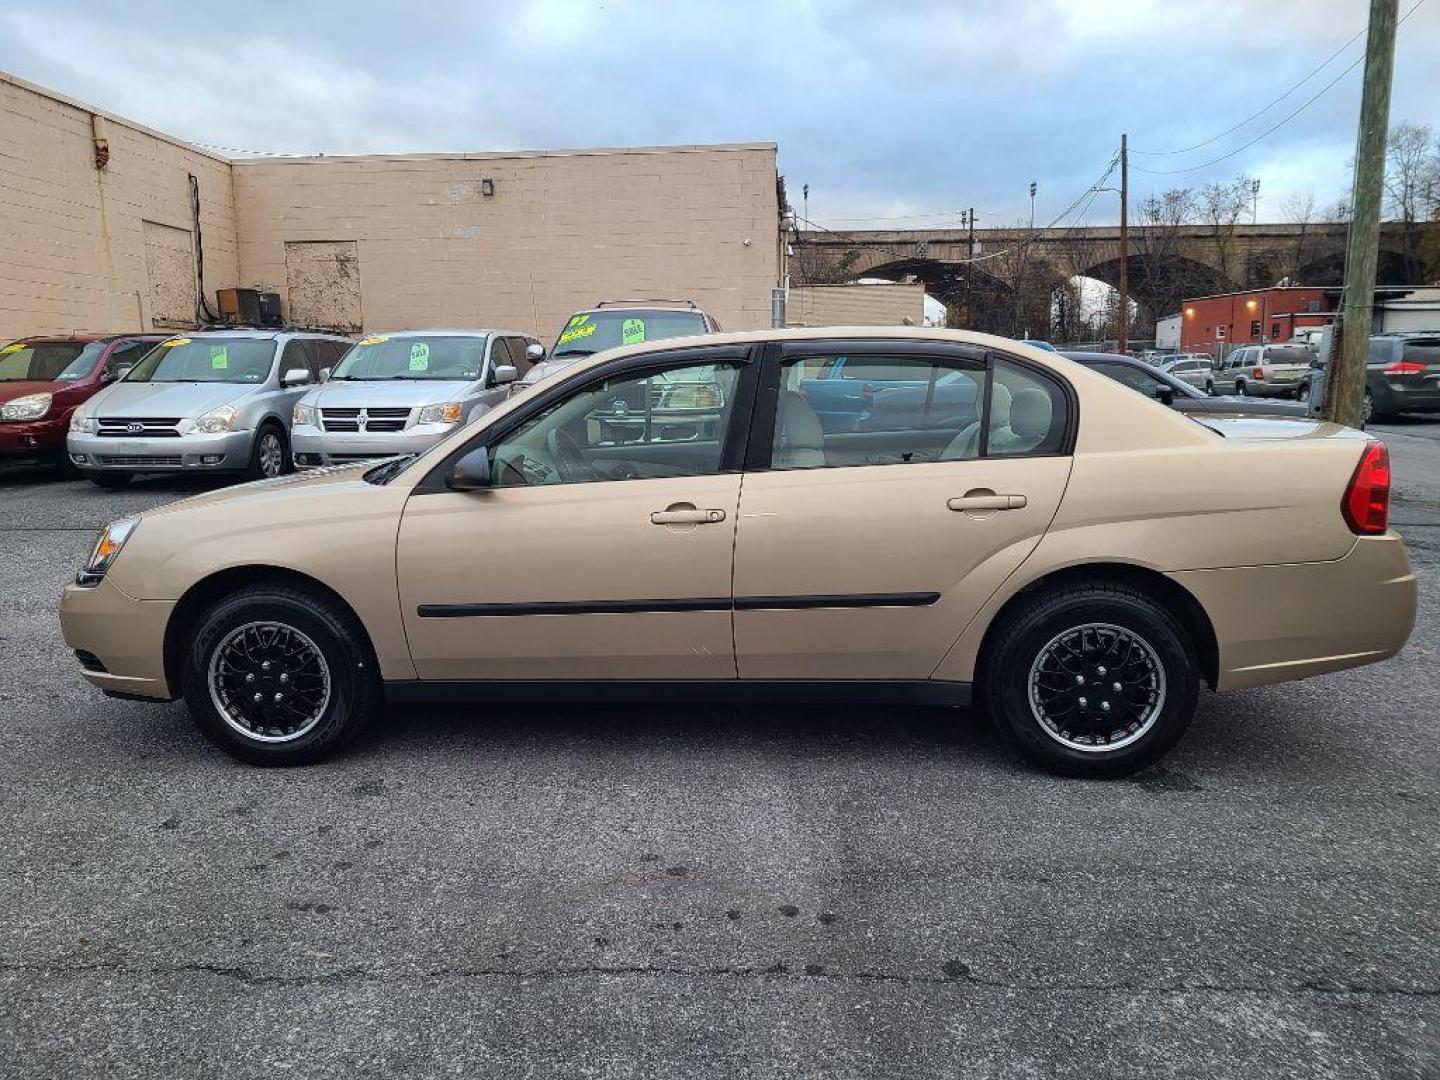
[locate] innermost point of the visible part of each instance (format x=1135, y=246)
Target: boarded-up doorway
x=323, y=281
x=170, y=266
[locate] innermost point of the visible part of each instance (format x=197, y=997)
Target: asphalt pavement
x=696, y=891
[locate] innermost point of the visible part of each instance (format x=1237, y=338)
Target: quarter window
x=1028, y=413
x=659, y=424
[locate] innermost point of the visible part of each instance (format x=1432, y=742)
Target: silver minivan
x=400, y=393
x=209, y=402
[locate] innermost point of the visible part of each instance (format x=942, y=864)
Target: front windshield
x=39, y=361
x=414, y=356
x=206, y=359
x=591, y=331
x=82, y=364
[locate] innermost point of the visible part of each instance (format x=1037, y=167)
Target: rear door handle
x=686, y=515
x=987, y=502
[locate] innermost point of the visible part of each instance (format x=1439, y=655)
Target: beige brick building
x=369, y=243
x=856, y=305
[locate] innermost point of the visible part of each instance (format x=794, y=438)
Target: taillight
x=1366, y=505
x=1258, y=373
x=1405, y=367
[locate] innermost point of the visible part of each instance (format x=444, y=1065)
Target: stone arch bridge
x=1166, y=264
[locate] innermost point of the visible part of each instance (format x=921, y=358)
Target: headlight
x=215, y=421
x=441, y=414
x=107, y=546
x=304, y=414
x=80, y=422
x=30, y=407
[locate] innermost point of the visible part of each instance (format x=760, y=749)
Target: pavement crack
x=772, y=972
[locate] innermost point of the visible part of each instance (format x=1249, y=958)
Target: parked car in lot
x=1402, y=374
x=1191, y=368
x=1262, y=371
x=43, y=379
x=1052, y=560
x=612, y=323
x=207, y=402
x=1169, y=390
x=399, y=393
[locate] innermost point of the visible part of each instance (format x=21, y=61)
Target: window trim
x=777, y=354
x=731, y=449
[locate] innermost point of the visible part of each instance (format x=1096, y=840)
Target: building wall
x=101, y=250
x=1245, y=318
x=856, y=305
x=413, y=241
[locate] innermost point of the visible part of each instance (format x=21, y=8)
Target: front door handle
x=686, y=514
x=987, y=501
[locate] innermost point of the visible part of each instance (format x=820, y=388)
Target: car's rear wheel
x=1210, y=387
x=270, y=455
x=278, y=675
x=1091, y=680
x=111, y=479
x=1240, y=388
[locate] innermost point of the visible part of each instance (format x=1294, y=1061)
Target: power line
x=1274, y=127
x=1260, y=112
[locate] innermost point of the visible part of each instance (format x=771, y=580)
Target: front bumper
x=31, y=439
x=227, y=451
x=314, y=448
x=1290, y=621
x=123, y=637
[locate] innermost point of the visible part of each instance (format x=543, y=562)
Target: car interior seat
x=966, y=445
x=799, y=437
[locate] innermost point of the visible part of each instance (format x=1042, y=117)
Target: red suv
x=42, y=379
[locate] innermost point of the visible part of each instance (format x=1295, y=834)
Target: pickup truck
x=869, y=393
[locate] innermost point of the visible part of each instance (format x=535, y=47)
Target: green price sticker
x=632, y=331
x=419, y=356
x=219, y=358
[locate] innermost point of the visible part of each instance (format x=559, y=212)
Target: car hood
x=166, y=399
x=383, y=393
x=9, y=391
x=296, y=485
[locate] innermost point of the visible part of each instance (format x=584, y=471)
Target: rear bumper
x=1280, y=623
x=315, y=449
x=1391, y=398
x=30, y=439
x=125, y=637
x=1257, y=388
x=226, y=452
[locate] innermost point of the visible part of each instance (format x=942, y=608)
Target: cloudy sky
x=894, y=113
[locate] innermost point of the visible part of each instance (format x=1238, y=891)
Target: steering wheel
x=568, y=458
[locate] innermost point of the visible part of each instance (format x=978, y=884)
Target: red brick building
x=1254, y=317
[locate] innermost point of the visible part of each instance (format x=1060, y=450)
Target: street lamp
x=1032, y=205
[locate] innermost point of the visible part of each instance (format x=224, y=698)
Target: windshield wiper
x=383, y=474
x=575, y=352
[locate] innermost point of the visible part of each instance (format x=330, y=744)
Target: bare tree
x=1412, y=177
x=1221, y=204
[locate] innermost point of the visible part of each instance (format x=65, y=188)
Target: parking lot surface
x=705, y=891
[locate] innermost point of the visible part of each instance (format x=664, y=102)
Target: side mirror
x=324, y=373
x=504, y=373
x=471, y=472
x=294, y=377
x=535, y=353
x=116, y=375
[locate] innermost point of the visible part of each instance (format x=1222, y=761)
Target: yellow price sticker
x=374, y=339
x=576, y=333
x=175, y=341
x=17, y=347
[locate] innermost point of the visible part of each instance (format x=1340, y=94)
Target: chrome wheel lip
x=1152, y=658
x=227, y=710
x=272, y=455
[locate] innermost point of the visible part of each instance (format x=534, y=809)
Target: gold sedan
x=840, y=514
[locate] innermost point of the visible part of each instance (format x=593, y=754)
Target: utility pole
x=1345, y=382
x=968, y=217
x=1122, y=333
x=1254, y=200
x=1032, y=205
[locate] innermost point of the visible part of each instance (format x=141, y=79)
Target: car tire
x=1070, y=632
x=1210, y=387
x=269, y=454
x=1302, y=393
x=1242, y=388
x=110, y=480
x=321, y=660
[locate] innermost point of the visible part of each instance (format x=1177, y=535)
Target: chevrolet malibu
x=1070, y=555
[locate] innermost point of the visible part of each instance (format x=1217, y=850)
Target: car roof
x=85, y=339
x=477, y=332
x=678, y=306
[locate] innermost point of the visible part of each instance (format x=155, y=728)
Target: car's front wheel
x=1210, y=387
x=270, y=455
x=1091, y=680
x=279, y=675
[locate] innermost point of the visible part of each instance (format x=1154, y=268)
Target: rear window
x=1288, y=356
x=592, y=331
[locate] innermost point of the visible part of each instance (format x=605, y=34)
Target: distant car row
x=256, y=403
